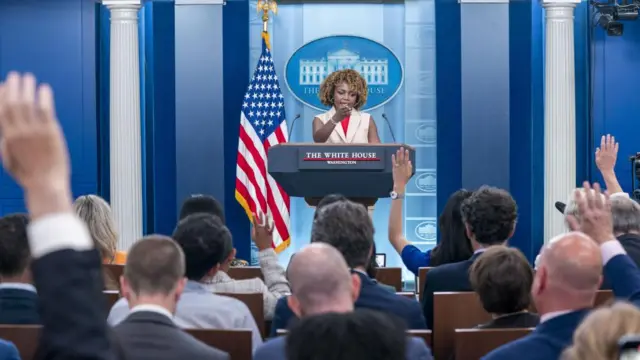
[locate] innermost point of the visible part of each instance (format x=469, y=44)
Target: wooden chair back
x=25, y=337
x=255, y=303
x=422, y=279
x=425, y=335
x=115, y=270
x=111, y=297
x=408, y=294
x=245, y=272
x=473, y=344
x=237, y=343
x=391, y=276
x=454, y=310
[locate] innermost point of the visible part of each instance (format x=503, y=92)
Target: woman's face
x=343, y=95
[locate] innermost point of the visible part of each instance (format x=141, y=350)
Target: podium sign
x=354, y=158
x=317, y=170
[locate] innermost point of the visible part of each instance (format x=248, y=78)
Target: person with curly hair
x=345, y=91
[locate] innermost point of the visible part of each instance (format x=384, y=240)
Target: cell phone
x=381, y=260
x=629, y=347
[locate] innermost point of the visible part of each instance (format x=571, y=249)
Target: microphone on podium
x=384, y=116
x=293, y=122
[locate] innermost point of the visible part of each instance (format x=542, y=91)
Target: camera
x=610, y=14
x=635, y=175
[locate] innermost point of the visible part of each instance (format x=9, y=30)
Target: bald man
x=569, y=275
x=321, y=283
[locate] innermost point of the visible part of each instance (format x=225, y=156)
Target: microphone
x=384, y=116
x=560, y=206
x=293, y=122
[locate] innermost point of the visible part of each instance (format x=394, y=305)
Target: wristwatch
x=396, y=196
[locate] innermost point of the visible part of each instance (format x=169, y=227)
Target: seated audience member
x=569, y=275
x=322, y=283
x=347, y=226
x=454, y=245
x=598, y=335
x=490, y=218
x=275, y=284
x=202, y=204
x=204, y=240
x=152, y=283
x=502, y=278
x=96, y=213
x=18, y=297
x=360, y=335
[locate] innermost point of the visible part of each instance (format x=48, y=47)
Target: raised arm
x=66, y=268
x=402, y=169
x=606, y=156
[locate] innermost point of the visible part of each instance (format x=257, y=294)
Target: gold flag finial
x=265, y=6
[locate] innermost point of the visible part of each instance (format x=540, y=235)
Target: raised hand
x=32, y=143
x=262, y=231
x=594, y=214
x=607, y=154
x=402, y=169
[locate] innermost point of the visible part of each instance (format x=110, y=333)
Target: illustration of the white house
x=313, y=72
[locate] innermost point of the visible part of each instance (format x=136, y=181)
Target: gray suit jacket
x=147, y=335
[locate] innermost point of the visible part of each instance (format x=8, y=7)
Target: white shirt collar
x=481, y=250
x=151, y=308
x=553, y=314
x=18, y=286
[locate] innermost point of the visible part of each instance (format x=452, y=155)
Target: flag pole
x=265, y=6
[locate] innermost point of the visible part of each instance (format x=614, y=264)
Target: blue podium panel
x=55, y=40
x=329, y=36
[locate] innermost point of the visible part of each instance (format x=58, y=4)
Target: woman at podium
x=346, y=92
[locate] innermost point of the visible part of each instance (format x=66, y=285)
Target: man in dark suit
x=490, y=218
x=568, y=277
x=18, y=297
x=321, y=283
x=347, y=226
x=152, y=283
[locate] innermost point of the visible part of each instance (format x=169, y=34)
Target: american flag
x=262, y=125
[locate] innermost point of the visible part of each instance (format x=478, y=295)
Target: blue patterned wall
x=409, y=31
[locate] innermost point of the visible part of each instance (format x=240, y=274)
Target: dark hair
x=359, y=335
x=491, y=215
x=14, y=245
x=346, y=226
x=502, y=278
x=154, y=265
x=202, y=204
x=206, y=242
x=454, y=244
x=327, y=200
x=372, y=268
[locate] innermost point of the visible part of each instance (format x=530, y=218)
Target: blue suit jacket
x=275, y=349
x=443, y=278
x=550, y=338
x=8, y=351
x=372, y=296
x=19, y=307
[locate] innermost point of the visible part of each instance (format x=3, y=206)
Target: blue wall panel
x=235, y=56
x=616, y=86
x=56, y=40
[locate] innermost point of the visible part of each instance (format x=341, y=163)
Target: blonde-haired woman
x=96, y=213
x=597, y=336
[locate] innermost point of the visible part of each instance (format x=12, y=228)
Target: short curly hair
x=355, y=81
x=490, y=214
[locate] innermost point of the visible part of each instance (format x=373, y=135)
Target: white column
x=559, y=112
x=124, y=121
